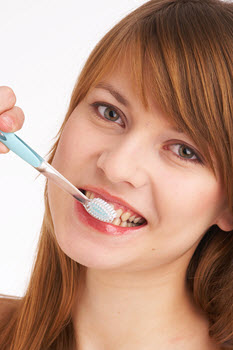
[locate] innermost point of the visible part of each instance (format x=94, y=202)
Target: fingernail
x=7, y=121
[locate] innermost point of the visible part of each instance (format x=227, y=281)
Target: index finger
x=7, y=98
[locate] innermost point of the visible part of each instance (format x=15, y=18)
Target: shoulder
x=7, y=306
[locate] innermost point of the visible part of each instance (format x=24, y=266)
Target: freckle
x=153, y=249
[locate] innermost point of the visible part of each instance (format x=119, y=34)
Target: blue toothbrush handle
x=99, y=209
x=19, y=147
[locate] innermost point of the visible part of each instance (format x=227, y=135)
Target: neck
x=144, y=308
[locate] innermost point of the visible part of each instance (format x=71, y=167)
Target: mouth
x=126, y=216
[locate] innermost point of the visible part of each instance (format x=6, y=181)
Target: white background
x=43, y=46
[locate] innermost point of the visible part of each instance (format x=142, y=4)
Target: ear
x=225, y=221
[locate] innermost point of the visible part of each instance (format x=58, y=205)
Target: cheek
x=74, y=159
x=71, y=148
x=189, y=196
x=187, y=207
x=77, y=149
x=185, y=213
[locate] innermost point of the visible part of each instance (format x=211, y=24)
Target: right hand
x=9, y=110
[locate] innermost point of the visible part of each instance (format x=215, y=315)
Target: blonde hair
x=181, y=54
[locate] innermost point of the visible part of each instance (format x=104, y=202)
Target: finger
x=3, y=148
x=12, y=120
x=7, y=98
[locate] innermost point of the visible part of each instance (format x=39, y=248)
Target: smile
x=125, y=217
x=128, y=223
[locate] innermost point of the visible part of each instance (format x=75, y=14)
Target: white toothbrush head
x=100, y=210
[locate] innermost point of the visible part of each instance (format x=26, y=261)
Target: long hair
x=180, y=52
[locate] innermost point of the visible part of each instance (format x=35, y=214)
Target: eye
x=107, y=112
x=185, y=153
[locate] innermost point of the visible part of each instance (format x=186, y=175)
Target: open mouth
x=125, y=217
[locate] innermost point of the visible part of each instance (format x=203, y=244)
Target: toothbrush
x=96, y=207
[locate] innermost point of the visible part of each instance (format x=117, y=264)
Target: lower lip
x=102, y=227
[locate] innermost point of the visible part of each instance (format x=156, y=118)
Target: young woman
x=149, y=129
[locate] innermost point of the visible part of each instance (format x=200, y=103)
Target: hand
x=8, y=110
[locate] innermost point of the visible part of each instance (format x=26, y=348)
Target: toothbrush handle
x=19, y=147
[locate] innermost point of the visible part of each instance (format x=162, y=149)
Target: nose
x=125, y=161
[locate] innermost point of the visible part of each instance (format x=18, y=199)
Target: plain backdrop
x=44, y=45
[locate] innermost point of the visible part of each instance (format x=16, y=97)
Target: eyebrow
x=121, y=99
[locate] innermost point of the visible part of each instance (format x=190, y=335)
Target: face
x=133, y=154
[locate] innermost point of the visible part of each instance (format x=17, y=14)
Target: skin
x=135, y=292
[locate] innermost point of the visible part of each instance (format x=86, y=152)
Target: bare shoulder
x=8, y=305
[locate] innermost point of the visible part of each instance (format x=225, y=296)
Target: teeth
x=119, y=212
x=121, y=217
x=123, y=224
x=116, y=221
x=132, y=218
x=125, y=216
x=136, y=220
x=87, y=194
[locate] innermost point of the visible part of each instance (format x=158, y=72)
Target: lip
x=103, y=227
x=103, y=194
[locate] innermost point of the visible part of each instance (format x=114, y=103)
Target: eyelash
x=95, y=106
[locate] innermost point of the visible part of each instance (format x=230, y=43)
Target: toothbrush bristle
x=101, y=210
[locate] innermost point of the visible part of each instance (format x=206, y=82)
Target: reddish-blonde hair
x=179, y=52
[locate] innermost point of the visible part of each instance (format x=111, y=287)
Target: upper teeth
x=123, y=216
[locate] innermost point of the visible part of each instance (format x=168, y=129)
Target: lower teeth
x=126, y=223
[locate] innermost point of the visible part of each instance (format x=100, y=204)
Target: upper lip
x=111, y=198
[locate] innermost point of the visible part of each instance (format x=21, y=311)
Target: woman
x=149, y=128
